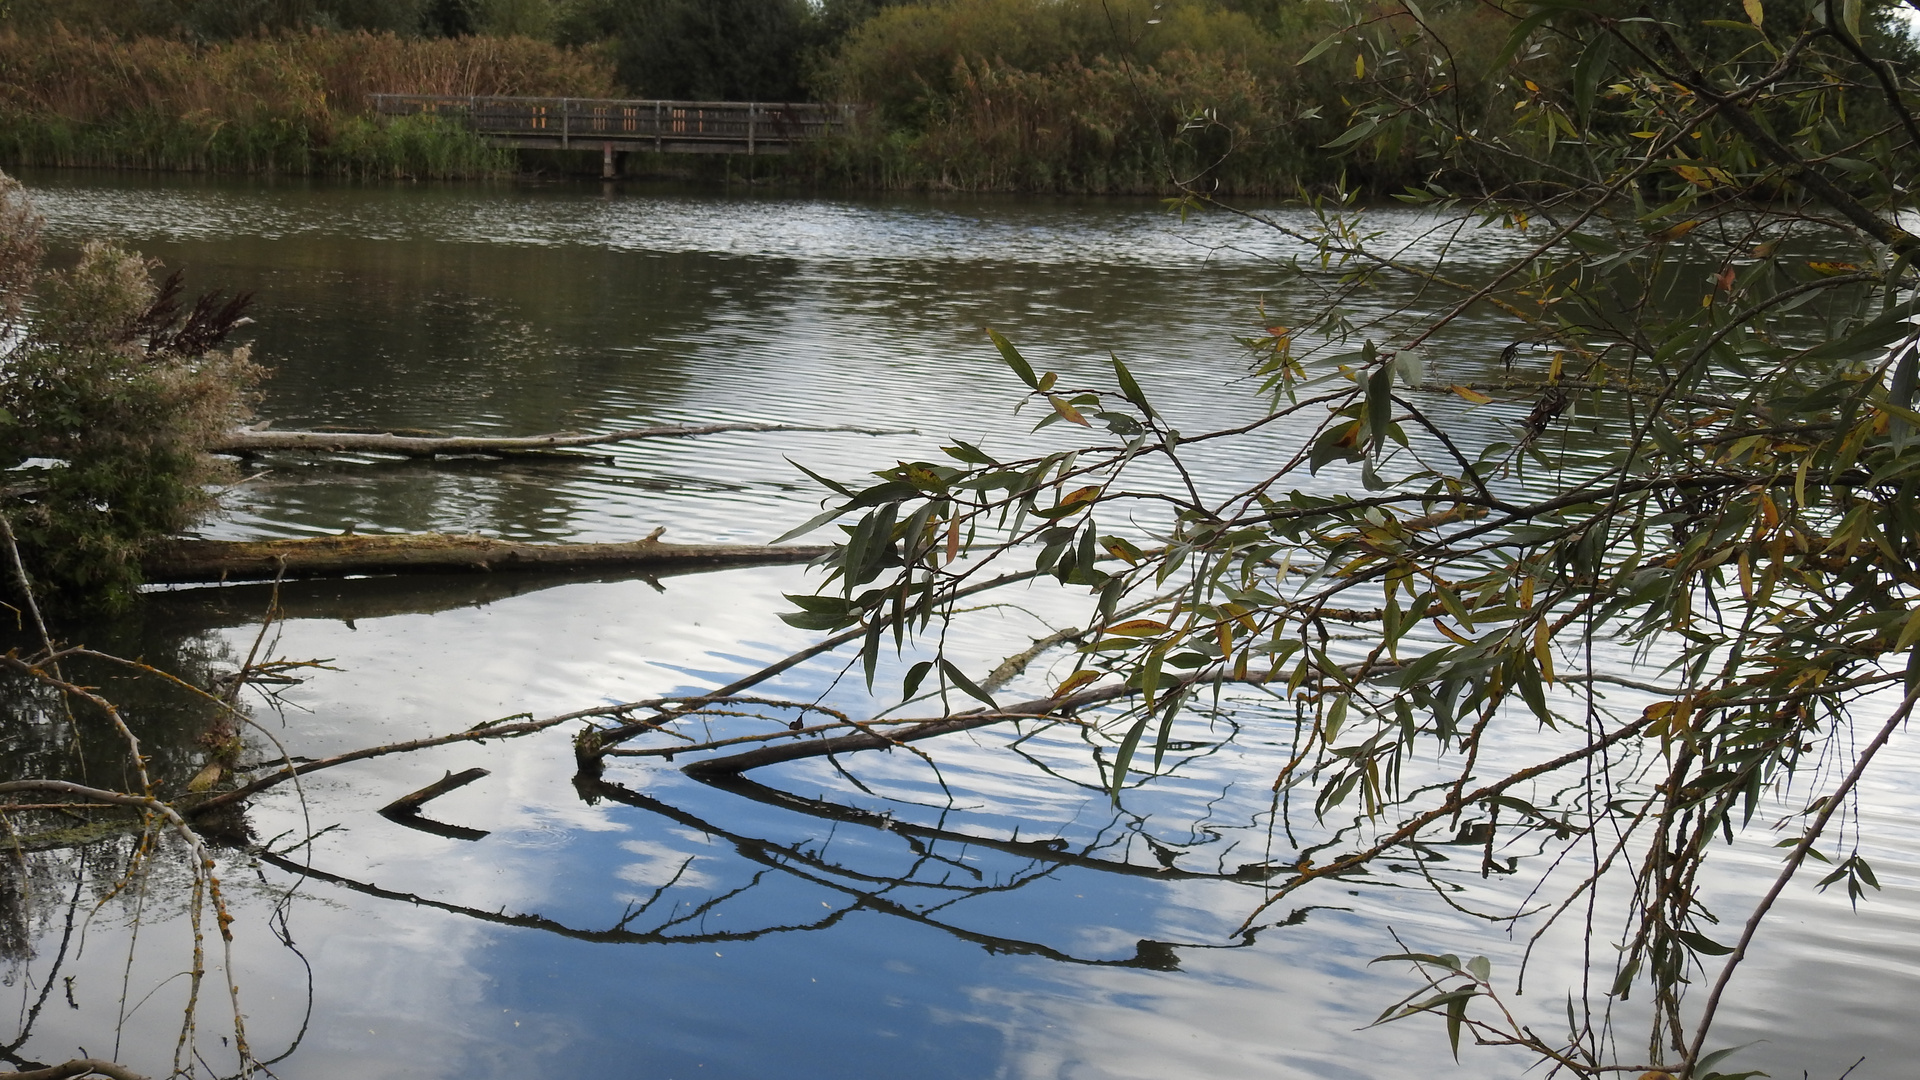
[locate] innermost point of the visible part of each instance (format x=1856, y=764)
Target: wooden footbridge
x=612, y=125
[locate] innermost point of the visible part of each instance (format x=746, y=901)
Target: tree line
x=1102, y=96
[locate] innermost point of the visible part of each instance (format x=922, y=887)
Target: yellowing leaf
x=1756, y=13
x=1675, y=232
x=1360, y=66
x=1080, y=495
x=1693, y=174
x=1470, y=394
x=1121, y=549
x=1239, y=614
x=1067, y=412
x=1074, y=682
x=1138, y=628
x=923, y=478
x=1829, y=269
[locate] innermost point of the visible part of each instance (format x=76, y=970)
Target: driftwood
x=405, y=810
x=78, y=1067
x=181, y=561
x=260, y=440
x=412, y=802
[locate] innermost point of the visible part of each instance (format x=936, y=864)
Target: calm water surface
x=655, y=927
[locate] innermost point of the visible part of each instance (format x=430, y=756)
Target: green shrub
x=115, y=389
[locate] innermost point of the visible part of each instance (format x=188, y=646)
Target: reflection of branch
x=281, y=774
x=203, y=866
x=541, y=922
x=1152, y=955
x=1049, y=857
x=10, y=1050
x=405, y=810
x=1051, y=851
x=614, y=735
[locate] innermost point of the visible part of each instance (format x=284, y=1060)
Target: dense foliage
x=281, y=103
x=110, y=388
x=1688, y=570
x=1069, y=95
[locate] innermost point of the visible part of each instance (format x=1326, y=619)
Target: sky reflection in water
x=678, y=930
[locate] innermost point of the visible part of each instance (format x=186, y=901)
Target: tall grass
x=292, y=103
x=1127, y=96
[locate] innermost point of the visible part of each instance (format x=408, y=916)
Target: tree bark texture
x=183, y=561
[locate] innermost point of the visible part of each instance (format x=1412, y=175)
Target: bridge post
x=753, y=112
x=606, y=161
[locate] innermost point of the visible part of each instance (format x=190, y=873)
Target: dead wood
x=1045, y=708
x=352, y=599
x=507, y=728
x=181, y=561
x=260, y=440
x=405, y=810
x=75, y=1068
x=412, y=802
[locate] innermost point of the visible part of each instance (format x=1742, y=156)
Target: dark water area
x=812, y=923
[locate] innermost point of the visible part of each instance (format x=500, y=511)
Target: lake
x=813, y=923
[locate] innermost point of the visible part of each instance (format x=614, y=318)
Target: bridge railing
x=751, y=123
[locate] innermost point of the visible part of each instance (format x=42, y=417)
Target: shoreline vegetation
x=1068, y=96
x=1097, y=97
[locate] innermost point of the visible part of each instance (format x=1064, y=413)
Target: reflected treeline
x=53, y=735
x=502, y=338
x=498, y=339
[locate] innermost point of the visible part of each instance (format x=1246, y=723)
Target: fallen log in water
x=183, y=561
x=260, y=440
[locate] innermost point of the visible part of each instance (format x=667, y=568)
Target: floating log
x=184, y=561
x=78, y=1067
x=355, y=598
x=260, y=439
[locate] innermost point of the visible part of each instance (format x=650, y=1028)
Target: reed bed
x=1132, y=96
x=294, y=103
